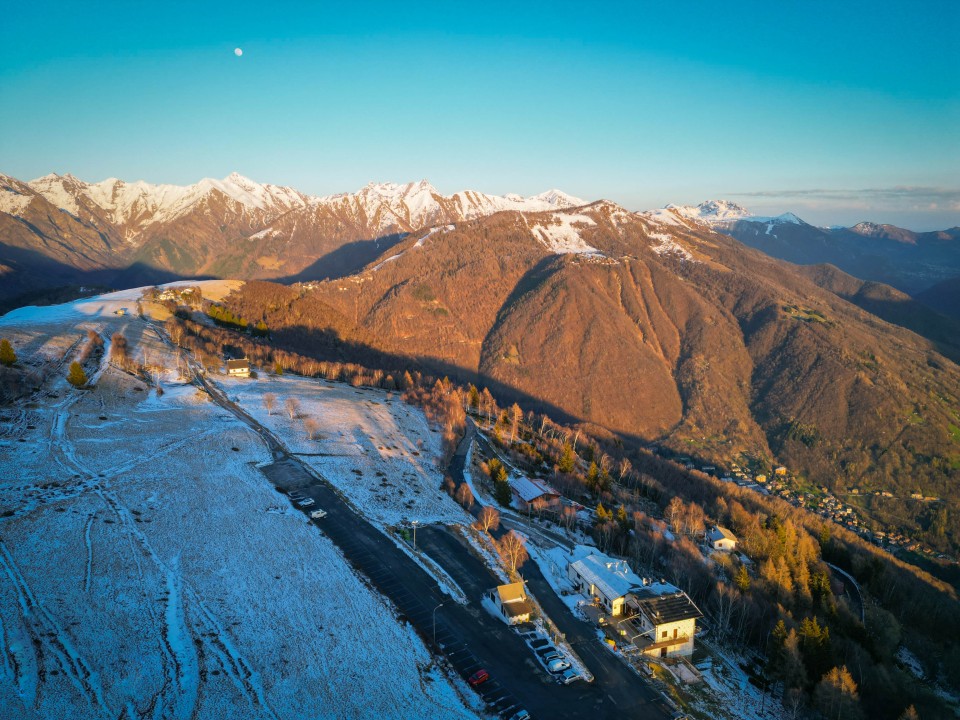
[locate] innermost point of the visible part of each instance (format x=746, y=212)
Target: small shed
x=512, y=603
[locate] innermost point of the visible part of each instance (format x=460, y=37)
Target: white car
x=317, y=514
x=306, y=502
x=558, y=665
x=568, y=677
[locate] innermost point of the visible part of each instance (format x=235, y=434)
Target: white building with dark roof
x=719, y=538
x=238, y=368
x=666, y=618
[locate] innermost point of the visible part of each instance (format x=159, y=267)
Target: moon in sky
x=238, y=52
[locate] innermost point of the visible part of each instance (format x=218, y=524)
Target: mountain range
x=652, y=326
x=58, y=230
x=658, y=326
x=924, y=265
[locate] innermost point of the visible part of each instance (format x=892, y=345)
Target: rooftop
x=720, y=533
x=529, y=489
x=613, y=578
x=666, y=608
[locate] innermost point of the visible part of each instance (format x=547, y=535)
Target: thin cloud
x=913, y=197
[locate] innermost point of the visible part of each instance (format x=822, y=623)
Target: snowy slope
x=560, y=232
x=148, y=568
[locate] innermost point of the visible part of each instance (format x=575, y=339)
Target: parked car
x=296, y=495
x=318, y=513
x=568, y=677
x=558, y=665
x=542, y=642
x=520, y=715
x=478, y=678
x=306, y=502
x=542, y=652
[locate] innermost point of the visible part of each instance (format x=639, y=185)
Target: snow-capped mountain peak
x=558, y=199
x=712, y=211
x=724, y=212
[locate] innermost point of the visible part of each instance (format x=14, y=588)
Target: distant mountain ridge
x=58, y=229
x=909, y=261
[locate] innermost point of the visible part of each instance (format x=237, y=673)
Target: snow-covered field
x=148, y=569
x=379, y=451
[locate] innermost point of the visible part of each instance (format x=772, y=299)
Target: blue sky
x=837, y=111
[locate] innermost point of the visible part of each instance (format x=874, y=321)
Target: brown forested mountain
x=654, y=327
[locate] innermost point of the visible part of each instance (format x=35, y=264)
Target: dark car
x=478, y=678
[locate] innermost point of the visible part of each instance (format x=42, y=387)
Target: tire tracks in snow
x=44, y=631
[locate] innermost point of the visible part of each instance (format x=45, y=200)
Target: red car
x=478, y=678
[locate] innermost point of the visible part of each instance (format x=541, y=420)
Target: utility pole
x=414, y=523
x=435, y=621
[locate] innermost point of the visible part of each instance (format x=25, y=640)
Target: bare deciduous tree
x=311, y=427
x=293, y=407
x=464, y=495
x=488, y=519
x=269, y=402
x=512, y=550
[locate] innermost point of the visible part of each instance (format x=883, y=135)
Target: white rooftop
x=613, y=578
x=529, y=489
x=720, y=533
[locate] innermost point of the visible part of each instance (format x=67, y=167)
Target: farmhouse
x=530, y=492
x=606, y=579
x=512, y=603
x=719, y=538
x=238, y=368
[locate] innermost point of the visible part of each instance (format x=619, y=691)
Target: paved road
x=468, y=637
x=616, y=688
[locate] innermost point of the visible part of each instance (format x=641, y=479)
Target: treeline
x=223, y=317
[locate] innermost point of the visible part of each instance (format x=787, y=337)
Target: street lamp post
x=435, y=622
x=414, y=523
